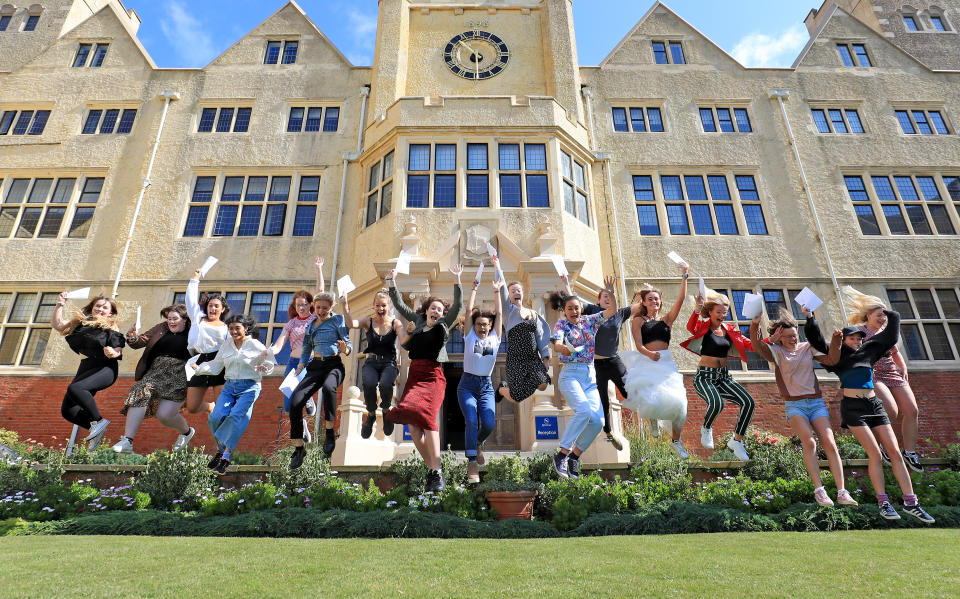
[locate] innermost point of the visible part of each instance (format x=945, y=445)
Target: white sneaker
x=124, y=445
x=183, y=440
x=310, y=408
x=654, y=429
x=706, y=437
x=97, y=429
x=820, y=494
x=738, y=449
x=307, y=437
x=844, y=498
x=677, y=446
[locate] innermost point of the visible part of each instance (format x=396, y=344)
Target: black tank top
x=655, y=330
x=384, y=346
x=715, y=346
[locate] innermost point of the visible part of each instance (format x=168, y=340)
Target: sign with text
x=406, y=433
x=547, y=427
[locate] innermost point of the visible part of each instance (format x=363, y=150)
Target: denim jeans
x=233, y=410
x=477, y=404
x=578, y=385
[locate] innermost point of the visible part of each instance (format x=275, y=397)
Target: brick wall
x=31, y=406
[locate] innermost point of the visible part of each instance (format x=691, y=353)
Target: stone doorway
x=506, y=435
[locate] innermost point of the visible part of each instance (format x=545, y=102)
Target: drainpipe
x=780, y=94
x=167, y=96
x=365, y=93
x=588, y=96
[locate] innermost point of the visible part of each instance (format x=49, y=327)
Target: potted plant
x=508, y=488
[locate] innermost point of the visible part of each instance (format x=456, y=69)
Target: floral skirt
x=885, y=371
x=166, y=379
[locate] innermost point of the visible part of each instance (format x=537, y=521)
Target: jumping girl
x=207, y=335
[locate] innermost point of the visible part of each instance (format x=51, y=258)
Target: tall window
x=647, y=216
x=575, y=196
x=930, y=322
x=478, y=176
x=379, y=189
x=37, y=208
x=725, y=119
x=23, y=122
x=109, y=120
x=837, y=120
x=32, y=22
x=268, y=307
x=523, y=178
x=910, y=204
x=4, y=22
x=313, y=118
x=638, y=119
x=225, y=119
x=668, y=52
x=854, y=55
x=924, y=122
x=282, y=52
x=910, y=21
x=938, y=23
x=99, y=52
x=25, y=326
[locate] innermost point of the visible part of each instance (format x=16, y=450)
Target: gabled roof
x=291, y=3
x=834, y=8
x=636, y=28
x=120, y=21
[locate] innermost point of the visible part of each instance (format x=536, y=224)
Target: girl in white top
x=207, y=334
x=475, y=392
x=243, y=360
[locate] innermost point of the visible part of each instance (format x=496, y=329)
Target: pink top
x=796, y=368
x=295, y=329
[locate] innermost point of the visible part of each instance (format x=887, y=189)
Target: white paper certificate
x=676, y=258
x=188, y=367
x=752, y=306
x=559, y=265
x=702, y=288
x=808, y=299
x=207, y=265
x=82, y=293
x=403, y=263
x=345, y=285
x=479, y=274
x=290, y=382
x=138, y=325
x=491, y=250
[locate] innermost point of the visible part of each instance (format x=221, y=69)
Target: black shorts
x=207, y=380
x=862, y=411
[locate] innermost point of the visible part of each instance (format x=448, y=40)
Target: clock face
x=476, y=55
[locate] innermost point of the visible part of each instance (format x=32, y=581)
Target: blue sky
x=184, y=33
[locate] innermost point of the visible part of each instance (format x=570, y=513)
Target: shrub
x=771, y=455
x=104, y=455
x=315, y=466
x=457, y=500
x=758, y=495
x=850, y=448
x=24, y=477
x=657, y=462
x=411, y=472
x=952, y=453
x=55, y=502
x=176, y=481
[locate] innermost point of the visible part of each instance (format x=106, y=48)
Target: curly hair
x=862, y=304
x=478, y=313
x=206, y=298
x=249, y=323
x=558, y=300
x=641, y=294
x=179, y=309
x=304, y=294
x=426, y=303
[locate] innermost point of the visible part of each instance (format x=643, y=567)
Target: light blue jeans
x=578, y=385
x=233, y=410
x=479, y=410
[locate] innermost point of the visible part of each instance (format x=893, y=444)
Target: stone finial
x=547, y=240
x=410, y=240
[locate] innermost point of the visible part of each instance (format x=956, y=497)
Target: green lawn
x=843, y=565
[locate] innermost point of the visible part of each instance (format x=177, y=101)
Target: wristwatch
x=685, y=275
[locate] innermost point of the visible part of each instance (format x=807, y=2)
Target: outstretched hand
x=457, y=270
x=319, y=262
x=806, y=312
x=609, y=282
x=497, y=284
x=197, y=275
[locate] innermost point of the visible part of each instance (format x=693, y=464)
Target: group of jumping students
x=223, y=353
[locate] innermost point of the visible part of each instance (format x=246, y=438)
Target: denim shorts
x=811, y=409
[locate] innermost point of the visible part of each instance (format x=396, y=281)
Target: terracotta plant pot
x=512, y=505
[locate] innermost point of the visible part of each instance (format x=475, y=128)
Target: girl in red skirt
x=425, y=341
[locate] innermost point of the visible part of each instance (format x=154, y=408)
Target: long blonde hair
x=712, y=300
x=641, y=295
x=861, y=303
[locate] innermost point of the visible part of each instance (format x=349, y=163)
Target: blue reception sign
x=547, y=427
x=406, y=433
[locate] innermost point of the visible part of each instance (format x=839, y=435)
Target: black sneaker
x=498, y=393
x=884, y=456
x=441, y=482
x=433, y=480
x=222, y=466
x=887, y=511
x=614, y=441
x=296, y=460
x=212, y=464
x=367, y=429
x=919, y=512
x=913, y=461
x=573, y=468
x=387, y=425
x=329, y=446
x=560, y=462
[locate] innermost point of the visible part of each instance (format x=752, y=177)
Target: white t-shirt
x=480, y=355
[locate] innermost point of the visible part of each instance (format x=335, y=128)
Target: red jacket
x=700, y=328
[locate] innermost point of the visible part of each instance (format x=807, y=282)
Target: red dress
x=422, y=396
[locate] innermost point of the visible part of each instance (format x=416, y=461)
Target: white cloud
x=363, y=33
x=761, y=50
x=187, y=35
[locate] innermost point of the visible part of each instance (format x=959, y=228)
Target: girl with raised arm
x=207, y=335
x=889, y=375
x=714, y=340
x=574, y=339
x=654, y=384
x=852, y=359
x=793, y=363
x=325, y=341
x=243, y=360
x=161, y=382
x=475, y=392
x=528, y=335
x=380, y=369
x=423, y=392
x=606, y=360
x=301, y=315
x=92, y=333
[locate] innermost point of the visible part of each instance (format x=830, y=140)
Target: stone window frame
x=203, y=205
x=323, y=105
x=34, y=12
x=739, y=196
x=852, y=54
x=282, y=45
x=524, y=171
x=216, y=108
x=902, y=214
x=926, y=108
x=732, y=107
x=6, y=16
x=254, y=301
x=48, y=209
x=630, y=109
x=668, y=45
x=928, y=313
x=25, y=314
x=935, y=12
x=574, y=181
x=98, y=119
x=13, y=121
x=828, y=110
x=89, y=54
x=379, y=186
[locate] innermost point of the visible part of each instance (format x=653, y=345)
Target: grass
x=878, y=563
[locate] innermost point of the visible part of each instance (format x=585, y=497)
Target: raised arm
x=498, y=275
x=135, y=341
x=277, y=346
x=352, y=322
x=192, y=299
x=681, y=297
x=758, y=345
x=811, y=329
x=609, y=283
x=498, y=307
x=450, y=318
x=321, y=287
x=876, y=346
x=833, y=355
x=471, y=300
x=401, y=306
x=306, y=350
x=56, y=319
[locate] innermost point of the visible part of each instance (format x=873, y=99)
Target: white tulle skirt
x=655, y=388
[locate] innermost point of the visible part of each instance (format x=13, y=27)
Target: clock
x=476, y=55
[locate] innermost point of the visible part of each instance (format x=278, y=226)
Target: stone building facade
x=476, y=124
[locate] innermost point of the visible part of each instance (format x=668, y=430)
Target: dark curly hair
x=422, y=310
x=558, y=300
x=478, y=313
x=205, y=299
x=249, y=323
x=179, y=309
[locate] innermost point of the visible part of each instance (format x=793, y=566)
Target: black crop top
x=655, y=330
x=715, y=346
x=89, y=341
x=384, y=346
x=426, y=344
